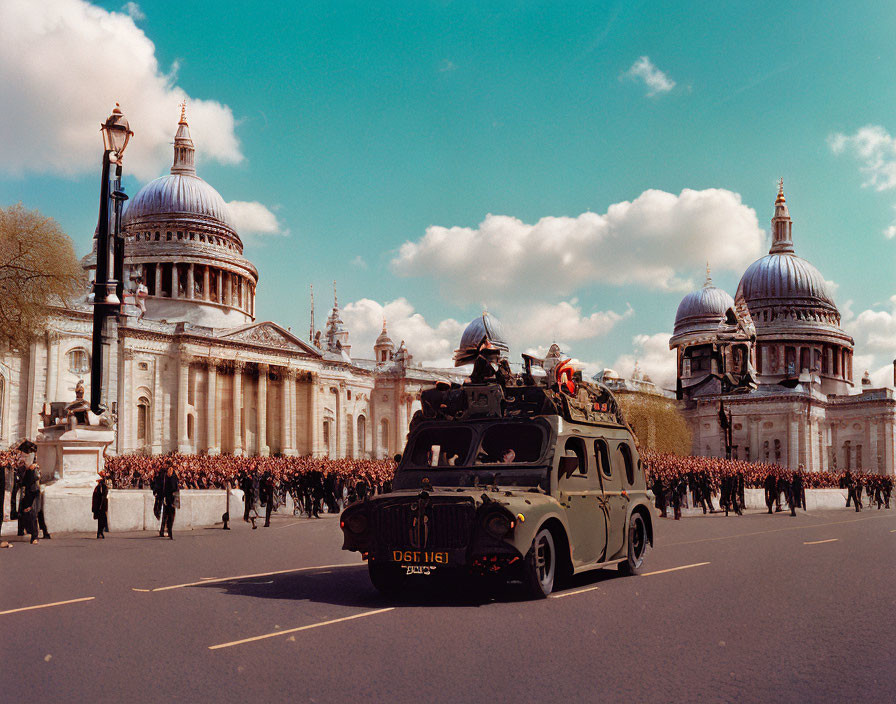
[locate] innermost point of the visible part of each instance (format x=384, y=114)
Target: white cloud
x=646, y=242
x=133, y=10
x=358, y=262
x=653, y=356
x=655, y=80
x=874, y=332
x=430, y=345
x=875, y=149
x=447, y=66
x=544, y=322
x=252, y=218
x=64, y=65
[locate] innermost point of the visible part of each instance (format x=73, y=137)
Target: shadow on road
x=351, y=586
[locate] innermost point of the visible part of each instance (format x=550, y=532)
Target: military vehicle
x=514, y=476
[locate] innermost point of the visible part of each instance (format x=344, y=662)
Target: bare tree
x=657, y=422
x=38, y=269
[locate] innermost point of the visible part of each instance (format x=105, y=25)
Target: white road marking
x=775, y=530
x=250, y=576
x=45, y=606
x=675, y=569
x=578, y=591
x=134, y=589
x=819, y=542
x=300, y=628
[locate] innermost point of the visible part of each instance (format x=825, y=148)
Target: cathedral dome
x=181, y=241
x=484, y=328
x=702, y=310
x=784, y=289
x=784, y=278
x=179, y=195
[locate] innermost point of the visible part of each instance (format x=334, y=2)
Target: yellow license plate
x=419, y=557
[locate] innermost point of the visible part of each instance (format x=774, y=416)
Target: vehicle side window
x=626, y=453
x=575, y=447
x=602, y=455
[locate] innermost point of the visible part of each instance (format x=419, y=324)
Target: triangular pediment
x=268, y=334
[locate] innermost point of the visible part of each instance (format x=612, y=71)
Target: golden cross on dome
x=183, y=110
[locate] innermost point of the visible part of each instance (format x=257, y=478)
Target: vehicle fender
x=535, y=515
x=644, y=509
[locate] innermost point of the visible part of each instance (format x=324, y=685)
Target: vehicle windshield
x=441, y=447
x=511, y=443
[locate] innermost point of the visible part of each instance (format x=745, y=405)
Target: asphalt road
x=756, y=608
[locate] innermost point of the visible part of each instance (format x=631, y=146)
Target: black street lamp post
x=107, y=294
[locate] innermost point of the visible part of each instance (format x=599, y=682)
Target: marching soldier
x=100, y=506
x=797, y=492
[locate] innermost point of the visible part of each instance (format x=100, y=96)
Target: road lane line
x=46, y=606
x=250, y=576
x=819, y=542
x=578, y=591
x=675, y=569
x=300, y=628
x=775, y=530
x=134, y=589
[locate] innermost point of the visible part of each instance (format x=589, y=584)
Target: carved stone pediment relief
x=269, y=335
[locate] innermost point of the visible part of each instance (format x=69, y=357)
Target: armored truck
x=529, y=482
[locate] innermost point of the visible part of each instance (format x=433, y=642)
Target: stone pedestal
x=74, y=456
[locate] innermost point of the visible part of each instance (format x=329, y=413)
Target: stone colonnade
x=200, y=282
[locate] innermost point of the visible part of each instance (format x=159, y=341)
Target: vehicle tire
x=388, y=578
x=637, y=545
x=541, y=565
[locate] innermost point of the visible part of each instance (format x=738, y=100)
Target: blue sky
x=360, y=125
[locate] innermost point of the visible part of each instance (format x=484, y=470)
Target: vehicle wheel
x=541, y=565
x=387, y=578
x=637, y=545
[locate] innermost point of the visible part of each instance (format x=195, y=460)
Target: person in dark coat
x=797, y=492
x=157, y=483
x=29, y=503
x=771, y=490
x=267, y=493
x=170, y=497
x=100, y=506
x=857, y=493
x=4, y=468
x=847, y=483
x=41, y=521
x=659, y=493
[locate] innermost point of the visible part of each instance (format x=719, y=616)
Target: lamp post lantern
x=107, y=293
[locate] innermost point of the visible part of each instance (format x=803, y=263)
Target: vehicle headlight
x=499, y=525
x=355, y=523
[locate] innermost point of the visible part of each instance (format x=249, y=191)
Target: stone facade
x=197, y=373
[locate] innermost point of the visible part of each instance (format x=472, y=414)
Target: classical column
x=157, y=419
x=183, y=378
x=158, y=277
x=238, y=367
x=126, y=406
x=401, y=426
x=206, y=281
x=175, y=284
x=31, y=419
x=793, y=445
x=228, y=285
x=219, y=289
x=263, y=448
x=211, y=408
x=289, y=390
x=191, y=281
x=52, y=365
x=314, y=423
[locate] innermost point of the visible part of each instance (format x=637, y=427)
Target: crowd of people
x=226, y=471
x=673, y=477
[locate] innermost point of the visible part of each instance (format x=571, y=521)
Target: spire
x=335, y=299
x=311, y=329
x=184, y=151
x=708, y=281
x=782, y=242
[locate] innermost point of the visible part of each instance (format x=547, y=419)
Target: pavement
x=752, y=608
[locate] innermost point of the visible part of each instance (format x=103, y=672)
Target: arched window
x=327, y=435
x=143, y=420
x=362, y=435
x=78, y=361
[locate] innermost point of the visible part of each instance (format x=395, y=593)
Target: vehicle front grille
x=450, y=524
